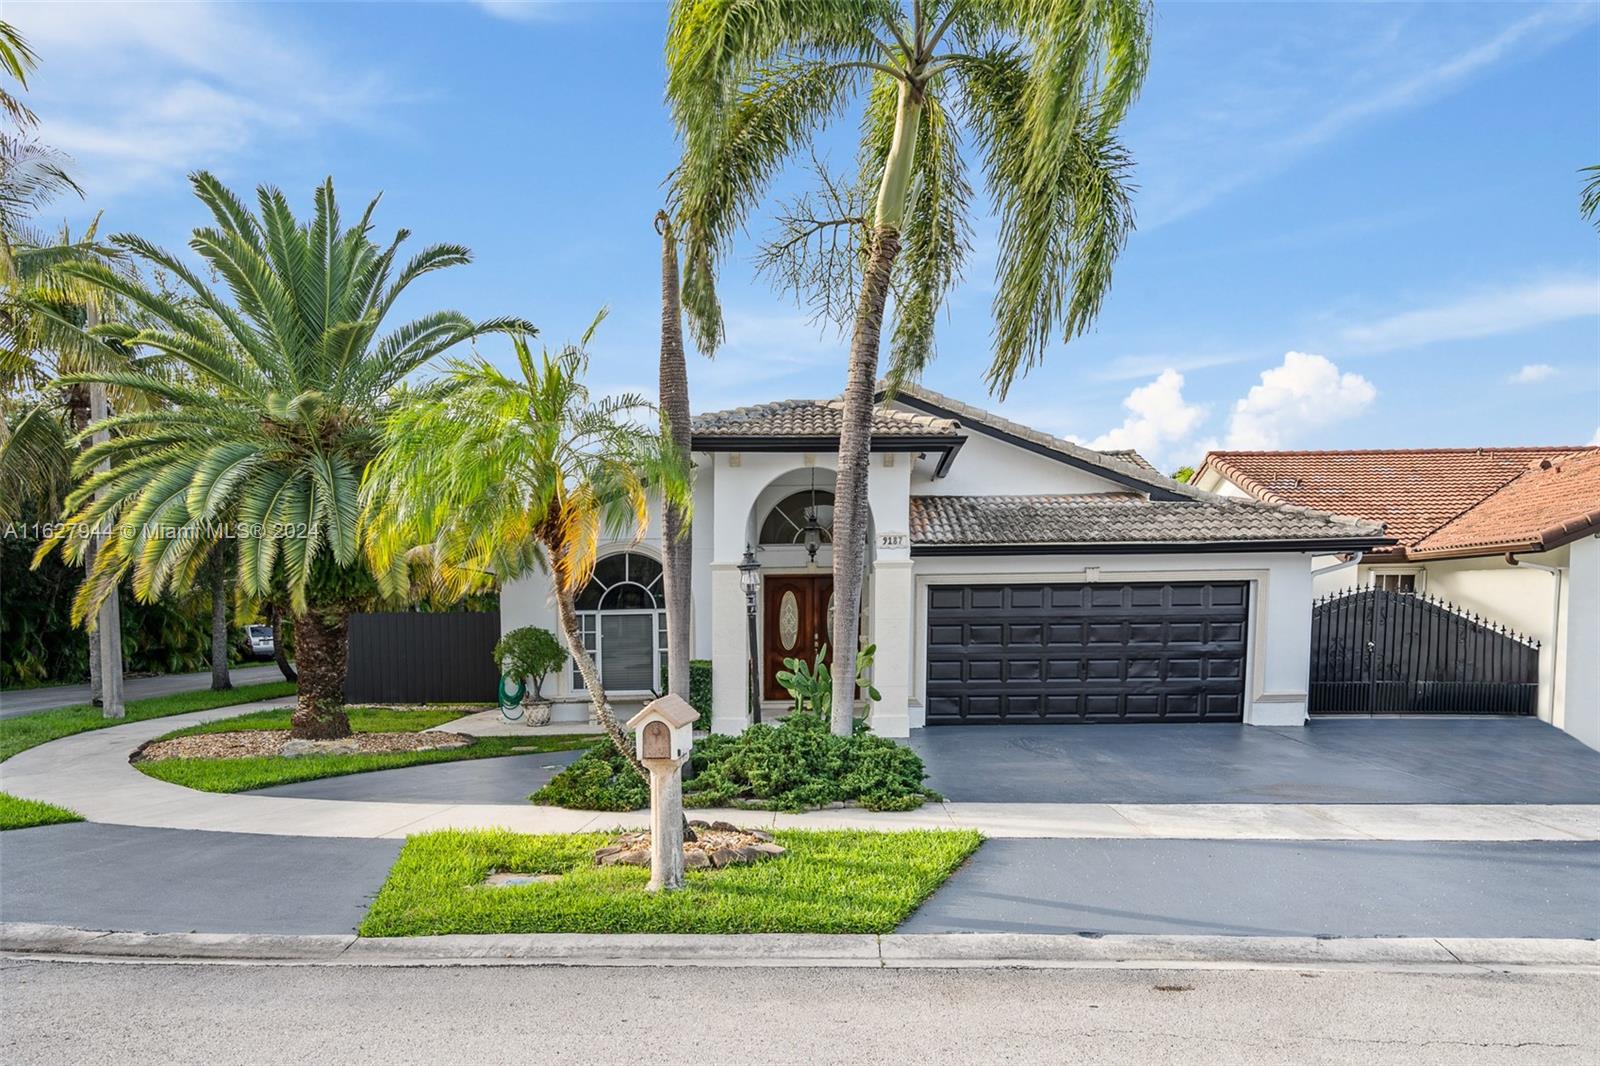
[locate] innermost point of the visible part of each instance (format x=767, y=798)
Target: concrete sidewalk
x=32, y=700
x=90, y=774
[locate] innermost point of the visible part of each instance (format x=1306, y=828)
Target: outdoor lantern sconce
x=750, y=581
x=812, y=534
x=663, y=735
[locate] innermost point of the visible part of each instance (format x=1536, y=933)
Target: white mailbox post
x=664, y=734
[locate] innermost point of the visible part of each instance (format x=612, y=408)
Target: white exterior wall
x=1579, y=654
x=989, y=467
x=1278, y=665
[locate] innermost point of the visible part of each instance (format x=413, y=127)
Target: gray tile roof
x=1119, y=518
x=815, y=418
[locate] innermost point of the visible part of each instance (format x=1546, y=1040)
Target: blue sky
x=1357, y=223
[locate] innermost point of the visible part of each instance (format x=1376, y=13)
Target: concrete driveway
x=1401, y=760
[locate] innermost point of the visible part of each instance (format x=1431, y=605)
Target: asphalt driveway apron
x=1494, y=761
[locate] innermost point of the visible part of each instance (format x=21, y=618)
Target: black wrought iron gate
x=1374, y=651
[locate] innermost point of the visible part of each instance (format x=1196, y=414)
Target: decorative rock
x=712, y=847
x=696, y=859
x=766, y=849
x=513, y=880
x=725, y=857
x=726, y=827
x=295, y=748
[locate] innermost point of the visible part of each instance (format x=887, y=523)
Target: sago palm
x=1036, y=88
x=290, y=371
x=487, y=474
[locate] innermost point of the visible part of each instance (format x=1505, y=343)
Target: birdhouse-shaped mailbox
x=664, y=730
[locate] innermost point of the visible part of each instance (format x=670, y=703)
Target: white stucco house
x=1014, y=577
x=1510, y=534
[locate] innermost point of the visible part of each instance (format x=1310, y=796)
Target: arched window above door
x=786, y=522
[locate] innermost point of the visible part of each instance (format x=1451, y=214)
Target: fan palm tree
x=291, y=372
x=1037, y=86
x=487, y=474
x=677, y=550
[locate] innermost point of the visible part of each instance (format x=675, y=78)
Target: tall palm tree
x=488, y=474
x=31, y=173
x=1589, y=199
x=1037, y=86
x=291, y=374
x=677, y=550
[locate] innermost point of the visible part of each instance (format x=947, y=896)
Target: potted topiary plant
x=531, y=654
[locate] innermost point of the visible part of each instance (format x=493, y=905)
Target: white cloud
x=1304, y=393
x=140, y=93
x=1158, y=417
x=1484, y=314
x=1531, y=373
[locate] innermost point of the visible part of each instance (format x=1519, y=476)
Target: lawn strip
x=30, y=730
x=17, y=813
x=836, y=881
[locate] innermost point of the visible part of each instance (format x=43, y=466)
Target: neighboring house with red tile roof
x=1508, y=533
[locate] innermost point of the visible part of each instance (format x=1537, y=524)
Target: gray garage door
x=1086, y=653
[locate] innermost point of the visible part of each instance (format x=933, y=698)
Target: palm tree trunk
x=220, y=681
x=676, y=549
x=320, y=642
x=568, y=614
x=280, y=654
x=850, y=509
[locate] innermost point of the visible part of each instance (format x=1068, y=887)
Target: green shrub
x=529, y=653
x=599, y=780
x=699, y=688
x=795, y=765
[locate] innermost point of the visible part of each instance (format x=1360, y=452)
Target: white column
x=730, y=684
x=1281, y=642
x=893, y=624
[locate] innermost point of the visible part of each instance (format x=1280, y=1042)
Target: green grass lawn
x=839, y=881
x=241, y=775
x=18, y=813
x=31, y=730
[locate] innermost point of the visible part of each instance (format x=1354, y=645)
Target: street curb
x=890, y=951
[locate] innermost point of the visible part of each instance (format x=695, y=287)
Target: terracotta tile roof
x=815, y=419
x=1120, y=518
x=1550, y=503
x=1412, y=492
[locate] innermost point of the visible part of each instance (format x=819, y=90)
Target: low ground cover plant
x=795, y=765
x=828, y=882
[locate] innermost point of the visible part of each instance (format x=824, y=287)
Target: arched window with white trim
x=623, y=616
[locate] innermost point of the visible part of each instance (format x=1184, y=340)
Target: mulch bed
x=715, y=844
x=263, y=743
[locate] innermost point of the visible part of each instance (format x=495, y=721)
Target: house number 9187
x=891, y=540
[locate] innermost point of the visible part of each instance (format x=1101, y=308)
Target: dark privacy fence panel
x=423, y=658
x=1374, y=651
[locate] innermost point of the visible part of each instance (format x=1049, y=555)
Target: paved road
x=178, y=880
x=29, y=700
x=1345, y=888
x=1383, y=760
x=71, y=1013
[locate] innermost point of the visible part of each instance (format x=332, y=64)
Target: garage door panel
x=1089, y=653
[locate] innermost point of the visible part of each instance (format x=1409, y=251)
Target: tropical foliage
x=486, y=473
x=530, y=653
x=290, y=369
x=1036, y=88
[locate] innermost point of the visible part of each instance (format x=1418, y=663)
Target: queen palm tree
x=487, y=474
x=266, y=444
x=1037, y=86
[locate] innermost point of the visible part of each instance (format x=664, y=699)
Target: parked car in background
x=258, y=642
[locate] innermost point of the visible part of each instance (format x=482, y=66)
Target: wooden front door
x=795, y=624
